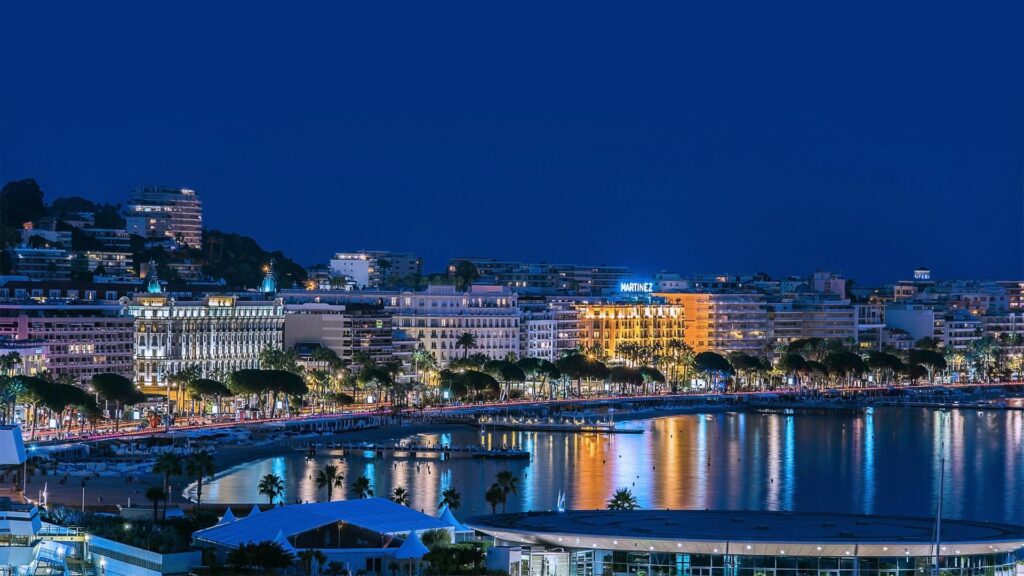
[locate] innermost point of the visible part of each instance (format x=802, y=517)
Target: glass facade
x=624, y=562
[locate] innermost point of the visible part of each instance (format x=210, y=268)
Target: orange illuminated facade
x=609, y=325
x=736, y=322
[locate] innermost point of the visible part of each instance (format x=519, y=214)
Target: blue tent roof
x=375, y=514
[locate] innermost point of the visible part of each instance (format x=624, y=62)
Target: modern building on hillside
x=609, y=325
x=743, y=543
x=376, y=268
x=82, y=339
x=162, y=212
x=347, y=329
x=219, y=334
x=438, y=316
x=41, y=263
x=723, y=322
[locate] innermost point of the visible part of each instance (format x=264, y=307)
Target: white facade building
x=437, y=317
x=219, y=335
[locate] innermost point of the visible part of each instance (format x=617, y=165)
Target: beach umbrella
x=227, y=517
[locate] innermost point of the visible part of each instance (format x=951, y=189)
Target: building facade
x=609, y=325
x=82, y=340
x=723, y=322
x=347, y=329
x=161, y=212
x=549, y=329
x=438, y=316
x=376, y=268
x=219, y=334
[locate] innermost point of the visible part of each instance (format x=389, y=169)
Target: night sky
x=866, y=139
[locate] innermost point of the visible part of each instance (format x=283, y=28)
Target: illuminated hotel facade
x=723, y=322
x=219, y=335
x=609, y=325
x=437, y=316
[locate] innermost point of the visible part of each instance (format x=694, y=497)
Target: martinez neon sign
x=636, y=287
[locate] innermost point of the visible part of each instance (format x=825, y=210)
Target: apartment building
x=162, y=212
x=347, y=329
x=723, y=322
x=811, y=316
x=609, y=325
x=218, y=334
x=376, y=268
x=547, y=279
x=40, y=263
x=437, y=317
x=548, y=328
x=82, y=339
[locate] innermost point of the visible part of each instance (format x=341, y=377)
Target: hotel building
x=437, y=317
x=82, y=340
x=219, y=334
x=723, y=322
x=608, y=325
x=161, y=212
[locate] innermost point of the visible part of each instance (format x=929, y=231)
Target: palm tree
x=200, y=465
x=450, y=497
x=271, y=486
x=508, y=484
x=623, y=499
x=362, y=488
x=465, y=341
x=155, y=494
x=400, y=496
x=169, y=465
x=329, y=478
x=494, y=496
x=307, y=557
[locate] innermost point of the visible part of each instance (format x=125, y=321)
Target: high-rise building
x=438, y=316
x=218, y=335
x=376, y=268
x=609, y=325
x=82, y=340
x=723, y=322
x=161, y=212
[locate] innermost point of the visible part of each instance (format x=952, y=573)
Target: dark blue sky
x=866, y=139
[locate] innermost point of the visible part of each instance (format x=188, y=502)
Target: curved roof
x=745, y=532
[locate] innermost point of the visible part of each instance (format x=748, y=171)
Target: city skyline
x=663, y=150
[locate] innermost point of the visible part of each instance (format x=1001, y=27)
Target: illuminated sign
x=644, y=287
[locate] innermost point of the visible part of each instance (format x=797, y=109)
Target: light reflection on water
x=884, y=462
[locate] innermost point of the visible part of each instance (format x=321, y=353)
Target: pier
x=443, y=451
x=566, y=427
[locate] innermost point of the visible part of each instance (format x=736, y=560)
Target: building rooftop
x=746, y=532
x=378, y=515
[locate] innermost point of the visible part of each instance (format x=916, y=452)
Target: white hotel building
x=437, y=317
x=219, y=335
